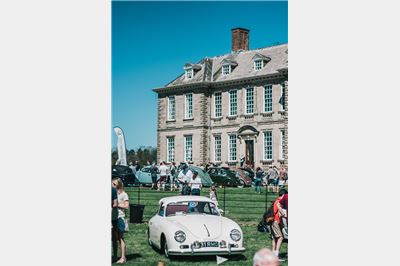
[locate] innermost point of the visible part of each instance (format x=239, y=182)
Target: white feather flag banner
x=121, y=146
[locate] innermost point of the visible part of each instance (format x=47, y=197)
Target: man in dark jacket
x=153, y=172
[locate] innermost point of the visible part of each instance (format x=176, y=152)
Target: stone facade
x=254, y=133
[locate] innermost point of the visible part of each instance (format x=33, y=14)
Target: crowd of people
x=274, y=178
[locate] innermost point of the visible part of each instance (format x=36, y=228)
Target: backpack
x=269, y=215
x=267, y=220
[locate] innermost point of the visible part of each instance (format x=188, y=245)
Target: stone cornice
x=282, y=73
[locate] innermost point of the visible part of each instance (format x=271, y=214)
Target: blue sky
x=151, y=41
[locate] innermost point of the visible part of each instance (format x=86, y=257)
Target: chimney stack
x=240, y=39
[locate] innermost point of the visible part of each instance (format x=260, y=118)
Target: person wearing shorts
x=163, y=176
x=276, y=232
x=119, y=227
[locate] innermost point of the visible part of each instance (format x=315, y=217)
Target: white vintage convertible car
x=192, y=225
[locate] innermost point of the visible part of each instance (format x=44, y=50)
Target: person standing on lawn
x=118, y=232
x=185, y=175
x=172, y=172
x=272, y=175
x=153, y=172
x=258, y=180
x=195, y=184
x=282, y=176
x=276, y=232
x=163, y=176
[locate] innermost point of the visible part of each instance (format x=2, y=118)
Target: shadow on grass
x=206, y=258
x=133, y=256
x=128, y=257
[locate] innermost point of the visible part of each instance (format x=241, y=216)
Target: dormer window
x=190, y=70
x=260, y=61
x=227, y=66
x=258, y=64
x=226, y=69
x=189, y=73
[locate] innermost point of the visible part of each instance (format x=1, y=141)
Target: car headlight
x=236, y=235
x=180, y=236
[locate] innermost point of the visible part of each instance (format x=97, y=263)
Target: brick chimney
x=240, y=39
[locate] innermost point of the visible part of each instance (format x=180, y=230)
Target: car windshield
x=191, y=207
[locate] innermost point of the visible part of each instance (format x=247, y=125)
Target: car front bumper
x=206, y=251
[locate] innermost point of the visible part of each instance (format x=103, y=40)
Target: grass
x=242, y=205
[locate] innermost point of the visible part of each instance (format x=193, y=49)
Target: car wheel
x=241, y=184
x=164, y=246
x=166, y=250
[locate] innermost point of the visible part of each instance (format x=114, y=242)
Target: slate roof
x=211, y=67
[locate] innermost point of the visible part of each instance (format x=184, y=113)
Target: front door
x=250, y=153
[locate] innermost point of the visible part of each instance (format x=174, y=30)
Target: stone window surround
x=264, y=103
x=229, y=102
x=187, y=113
x=272, y=144
x=229, y=147
x=220, y=144
x=245, y=100
x=169, y=119
x=214, y=102
x=185, y=142
x=173, y=149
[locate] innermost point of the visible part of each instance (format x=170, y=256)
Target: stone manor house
x=226, y=107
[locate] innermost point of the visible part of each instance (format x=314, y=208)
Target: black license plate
x=209, y=244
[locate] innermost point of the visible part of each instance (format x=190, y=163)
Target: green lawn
x=242, y=205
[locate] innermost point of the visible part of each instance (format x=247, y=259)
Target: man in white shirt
x=195, y=184
x=163, y=175
x=185, y=175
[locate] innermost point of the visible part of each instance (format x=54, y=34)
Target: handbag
x=126, y=225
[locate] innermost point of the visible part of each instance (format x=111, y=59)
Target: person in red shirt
x=283, y=203
x=277, y=235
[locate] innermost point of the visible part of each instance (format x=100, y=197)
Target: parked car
x=249, y=172
x=243, y=175
x=192, y=225
x=225, y=176
x=126, y=174
x=144, y=176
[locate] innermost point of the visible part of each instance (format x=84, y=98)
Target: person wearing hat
x=195, y=184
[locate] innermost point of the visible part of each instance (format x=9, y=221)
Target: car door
x=213, y=174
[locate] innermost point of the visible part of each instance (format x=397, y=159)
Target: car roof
x=168, y=200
